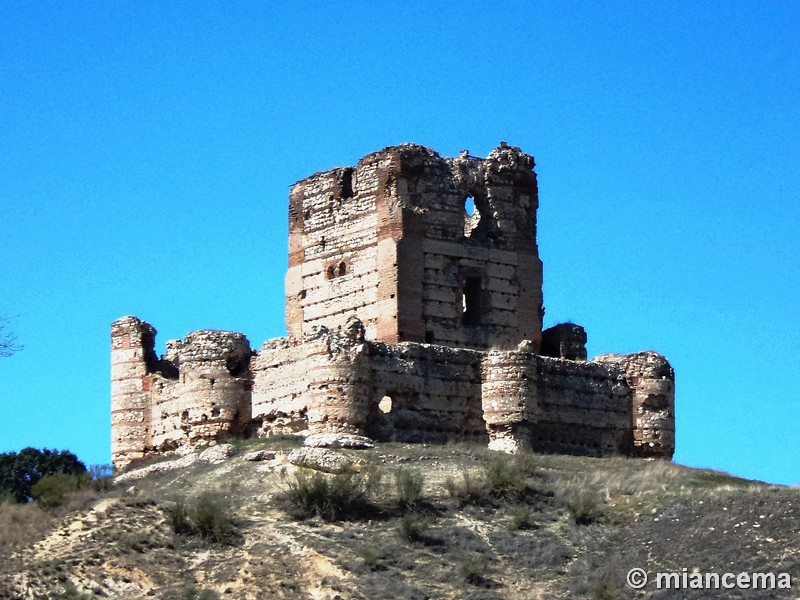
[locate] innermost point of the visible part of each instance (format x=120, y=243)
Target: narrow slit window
x=471, y=302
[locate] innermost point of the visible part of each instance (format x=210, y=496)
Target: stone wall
x=585, y=408
x=652, y=381
x=425, y=393
x=131, y=360
x=280, y=388
x=207, y=387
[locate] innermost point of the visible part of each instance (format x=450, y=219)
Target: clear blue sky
x=148, y=148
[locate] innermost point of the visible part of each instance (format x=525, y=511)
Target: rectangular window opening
x=471, y=302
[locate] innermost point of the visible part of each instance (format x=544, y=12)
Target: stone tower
x=392, y=242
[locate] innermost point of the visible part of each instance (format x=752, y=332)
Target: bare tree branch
x=8, y=341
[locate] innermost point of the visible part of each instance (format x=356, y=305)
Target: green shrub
x=210, y=519
x=206, y=516
x=473, y=570
x=451, y=487
x=584, y=508
x=178, y=518
x=507, y=474
x=409, y=486
x=520, y=517
x=412, y=527
x=51, y=490
x=501, y=476
x=19, y=472
x=336, y=497
x=70, y=593
x=370, y=555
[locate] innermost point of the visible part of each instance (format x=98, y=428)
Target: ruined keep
x=414, y=313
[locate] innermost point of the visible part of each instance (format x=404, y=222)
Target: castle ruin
x=414, y=313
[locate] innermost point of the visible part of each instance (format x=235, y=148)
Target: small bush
x=178, y=518
x=451, y=487
x=206, y=516
x=473, y=570
x=21, y=525
x=409, y=486
x=210, y=518
x=502, y=476
x=507, y=474
x=412, y=527
x=70, y=593
x=191, y=593
x=521, y=517
x=336, y=497
x=584, y=508
x=51, y=490
x=370, y=555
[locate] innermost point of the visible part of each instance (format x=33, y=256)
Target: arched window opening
x=472, y=216
x=342, y=269
x=469, y=206
x=385, y=405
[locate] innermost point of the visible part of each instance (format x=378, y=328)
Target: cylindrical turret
x=131, y=352
x=339, y=381
x=652, y=382
x=509, y=398
x=215, y=384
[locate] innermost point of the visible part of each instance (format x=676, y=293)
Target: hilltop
x=411, y=521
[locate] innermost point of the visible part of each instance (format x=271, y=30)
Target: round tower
x=131, y=355
x=509, y=399
x=652, y=382
x=215, y=384
x=339, y=381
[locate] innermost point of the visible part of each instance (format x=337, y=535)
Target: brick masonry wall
x=428, y=393
x=280, y=388
x=131, y=349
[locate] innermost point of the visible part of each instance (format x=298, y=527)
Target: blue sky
x=149, y=148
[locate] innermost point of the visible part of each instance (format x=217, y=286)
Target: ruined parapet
x=565, y=340
x=132, y=357
x=339, y=380
x=212, y=400
x=509, y=397
x=652, y=382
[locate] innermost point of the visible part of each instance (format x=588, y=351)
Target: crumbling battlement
x=414, y=312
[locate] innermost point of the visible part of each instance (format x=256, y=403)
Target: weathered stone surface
x=408, y=319
x=164, y=467
x=321, y=459
x=338, y=440
x=217, y=454
x=259, y=455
